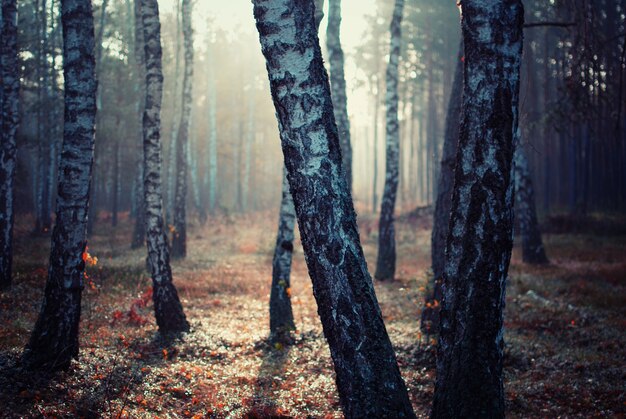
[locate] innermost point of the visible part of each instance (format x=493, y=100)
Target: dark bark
x=367, y=374
x=54, y=341
x=430, y=313
x=338, y=86
x=533, y=251
x=179, y=237
x=386, y=262
x=469, y=361
x=281, y=314
x=167, y=308
x=9, y=114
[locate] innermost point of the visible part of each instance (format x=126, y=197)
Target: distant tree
x=167, y=308
x=533, y=251
x=430, y=313
x=54, y=341
x=386, y=262
x=211, y=173
x=179, y=237
x=478, y=251
x=9, y=114
x=338, y=85
x=367, y=374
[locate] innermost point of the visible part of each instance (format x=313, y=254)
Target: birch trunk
x=386, y=262
x=533, y=251
x=54, y=341
x=212, y=163
x=9, y=112
x=367, y=374
x=430, y=313
x=338, y=86
x=167, y=308
x=469, y=361
x=139, y=232
x=179, y=238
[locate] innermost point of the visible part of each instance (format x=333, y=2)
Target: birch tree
x=211, y=173
x=367, y=374
x=478, y=250
x=167, y=308
x=386, y=262
x=338, y=85
x=445, y=183
x=54, y=341
x=533, y=251
x=9, y=114
x=179, y=238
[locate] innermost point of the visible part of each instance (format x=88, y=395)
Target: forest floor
x=565, y=329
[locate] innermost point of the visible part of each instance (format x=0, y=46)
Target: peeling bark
x=386, y=262
x=9, y=114
x=167, y=308
x=367, y=374
x=430, y=313
x=54, y=341
x=469, y=361
x=338, y=86
x=179, y=237
x=533, y=251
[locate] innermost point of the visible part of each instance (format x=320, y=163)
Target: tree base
x=168, y=310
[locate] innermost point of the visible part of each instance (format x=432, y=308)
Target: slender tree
x=478, y=250
x=533, y=251
x=430, y=313
x=211, y=176
x=179, y=238
x=281, y=313
x=386, y=262
x=54, y=341
x=9, y=114
x=338, y=85
x=367, y=374
x=167, y=308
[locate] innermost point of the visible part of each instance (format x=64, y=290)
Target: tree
x=167, y=308
x=338, y=86
x=179, y=238
x=9, y=114
x=54, y=341
x=430, y=313
x=478, y=249
x=367, y=374
x=386, y=262
x=533, y=251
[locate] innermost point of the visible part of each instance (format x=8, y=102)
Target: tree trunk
x=367, y=374
x=212, y=154
x=192, y=157
x=179, y=238
x=9, y=112
x=430, y=313
x=386, y=262
x=281, y=314
x=54, y=341
x=469, y=360
x=139, y=232
x=525, y=211
x=167, y=308
x=338, y=86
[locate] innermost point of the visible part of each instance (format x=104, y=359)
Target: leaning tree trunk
x=367, y=374
x=281, y=314
x=430, y=313
x=338, y=86
x=469, y=361
x=533, y=251
x=167, y=308
x=9, y=114
x=54, y=341
x=179, y=237
x=386, y=262
x=139, y=231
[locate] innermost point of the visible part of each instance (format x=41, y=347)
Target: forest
x=313, y=208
